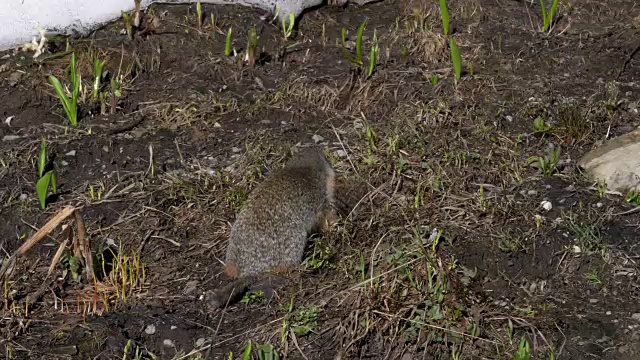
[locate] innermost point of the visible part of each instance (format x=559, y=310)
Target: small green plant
x=287, y=28
x=524, y=351
x=633, y=197
x=98, y=66
x=547, y=17
x=227, y=43
x=253, y=297
x=70, y=104
x=357, y=59
x=593, y=277
x=444, y=13
x=128, y=24
x=548, y=164
x=252, y=46
x=455, y=58
x=540, y=126
x=44, y=179
x=373, y=57
x=199, y=15
x=267, y=352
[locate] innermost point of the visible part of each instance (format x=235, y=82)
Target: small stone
x=340, y=153
x=236, y=149
x=546, y=205
x=168, y=343
x=317, y=138
x=608, y=313
x=532, y=192
x=14, y=78
x=8, y=120
x=173, y=327
x=105, y=148
x=4, y=67
x=599, y=205
x=217, y=125
x=636, y=316
x=71, y=153
x=10, y=137
x=23, y=197
x=150, y=329
x=64, y=163
x=593, y=301
x=200, y=342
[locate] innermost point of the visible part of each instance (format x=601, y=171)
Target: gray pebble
x=150, y=329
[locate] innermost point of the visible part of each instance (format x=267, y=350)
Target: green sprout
x=547, y=17
x=287, y=28
x=252, y=46
x=128, y=25
x=70, y=104
x=357, y=59
x=98, y=67
x=373, y=57
x=548, y=164
x=227, y=43
x=45, y=179
x=455, y=58
x=444, y=13
x=540, y=126
x=199, y=14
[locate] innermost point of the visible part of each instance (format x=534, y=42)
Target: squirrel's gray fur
x=270, y=232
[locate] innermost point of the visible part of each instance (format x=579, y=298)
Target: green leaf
x=54, y=182
x=455, y=58
x=42, y=160
x=246, y=354
x=444, y=13
x=41, y=188
x=227, y=44
x=359, y=42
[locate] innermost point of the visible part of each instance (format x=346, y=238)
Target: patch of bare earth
x=443, y=250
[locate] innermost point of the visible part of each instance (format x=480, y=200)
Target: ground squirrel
x=270, y=232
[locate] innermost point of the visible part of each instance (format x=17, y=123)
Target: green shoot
x=70, y=105
x=246, y=354
x=199, y=14
x=524, y=351
x=357, y=59
x=548, y=164
x=126, y=19
x=455, y=58
x=547, y=18
x=252, y=46
x=213, y=21
x=540, y=126
x=444, y=13
x=42, y=159
x=116, y=92
x=45, y=179
x=227, y=43
x=267, y=352
x=98, y=66
x=287, y=29
x=373, y=57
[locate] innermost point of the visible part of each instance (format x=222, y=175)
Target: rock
x=546, y=205
x=14, y=78
x=150, y=329
x=317, y=138
x=168, y=343
x=10, y=137
x=616, y=163
x=200, y=342
x=636, y=316
x=71, y=153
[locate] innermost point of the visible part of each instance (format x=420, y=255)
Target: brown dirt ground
x=450, y=156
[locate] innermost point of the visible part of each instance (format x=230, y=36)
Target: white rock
x=200, y=342
x=168, y=343
x=71, y=153
x=8, y=120
x=24, y=197
x=150, y=329
x=10, y=137
x=340, y=153
x=546, y=205
x=616, y=163
x=317, y=138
